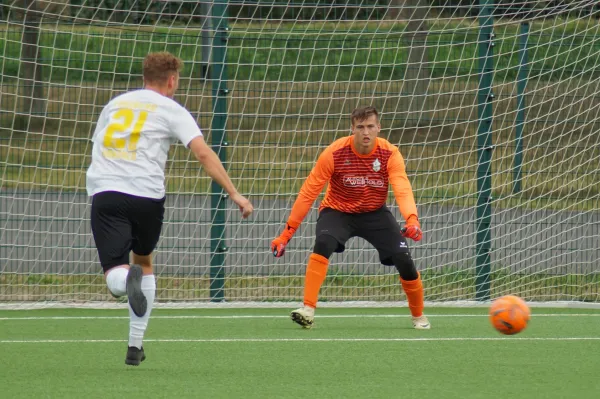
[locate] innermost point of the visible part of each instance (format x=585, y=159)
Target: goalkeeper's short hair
x=363, y=113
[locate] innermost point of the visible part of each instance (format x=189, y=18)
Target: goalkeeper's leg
x=410, y=279
x=316, y=271
x=381, y=229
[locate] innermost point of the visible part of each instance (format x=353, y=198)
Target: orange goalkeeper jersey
x=357, y=183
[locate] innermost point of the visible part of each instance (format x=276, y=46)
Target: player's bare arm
x=214, y=168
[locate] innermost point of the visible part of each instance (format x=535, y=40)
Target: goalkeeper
x=359, y=169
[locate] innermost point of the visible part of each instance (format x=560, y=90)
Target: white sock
x=116, y=280
x=138, y=325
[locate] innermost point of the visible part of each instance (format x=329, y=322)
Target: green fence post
x=484, y=151
x=520, y=120
x=219, y=143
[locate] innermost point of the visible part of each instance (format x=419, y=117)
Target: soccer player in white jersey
x=126, y=183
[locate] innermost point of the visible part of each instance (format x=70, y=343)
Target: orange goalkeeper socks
x=414, y=294
x=316, y=271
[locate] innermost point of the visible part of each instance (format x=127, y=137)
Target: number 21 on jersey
x=126, y=124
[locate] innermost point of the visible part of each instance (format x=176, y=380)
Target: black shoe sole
x=134, y=361
x=299, y=319
x=137, y=299
x=132, y=357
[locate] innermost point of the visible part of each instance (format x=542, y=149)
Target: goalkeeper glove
x=412, y=229
x=278, y=245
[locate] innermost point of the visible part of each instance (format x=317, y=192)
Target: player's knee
x=405, y=265
x=325, y=245
x=145, y=261
x=116, y=281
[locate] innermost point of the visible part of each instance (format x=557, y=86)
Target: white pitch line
x=236, y=317
x=271, y=340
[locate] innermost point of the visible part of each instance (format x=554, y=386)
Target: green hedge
x=299, y=54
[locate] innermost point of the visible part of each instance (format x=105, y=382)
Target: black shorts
x=379, y=228
x=122, y=223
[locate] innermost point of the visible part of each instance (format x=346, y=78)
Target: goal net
x=495, y=107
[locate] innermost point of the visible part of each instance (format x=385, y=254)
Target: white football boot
x=305, y=316
x=421, y=323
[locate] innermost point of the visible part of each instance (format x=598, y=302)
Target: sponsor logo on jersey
x=376, y=165
x=361, y=181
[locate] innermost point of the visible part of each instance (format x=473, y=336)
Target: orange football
x=509, y=314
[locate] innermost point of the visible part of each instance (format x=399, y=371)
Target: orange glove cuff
x=292, y=224
x=287, y=233
x=413, y=221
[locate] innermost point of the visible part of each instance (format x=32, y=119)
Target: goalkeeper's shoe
x=421, y=323
x=137, y=299
x=305, y=316
x=135, y=356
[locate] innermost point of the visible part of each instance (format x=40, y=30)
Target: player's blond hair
x=158, y=67
x=362, y=113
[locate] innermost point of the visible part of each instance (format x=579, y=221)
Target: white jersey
x=131, y=143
